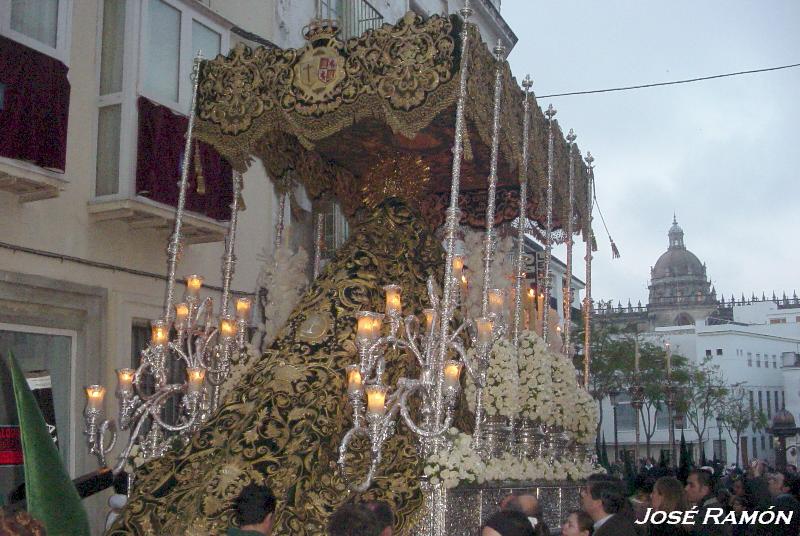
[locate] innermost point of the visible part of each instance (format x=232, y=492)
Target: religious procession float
x=420, y=366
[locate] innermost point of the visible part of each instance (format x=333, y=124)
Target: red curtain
x=162, y=134
x=33, y=118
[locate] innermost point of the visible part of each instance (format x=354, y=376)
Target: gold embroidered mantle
x=326, y=113
x=284, y=422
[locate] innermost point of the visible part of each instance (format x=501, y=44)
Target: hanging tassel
x=594, y=243
x=614, y=249
x=198, y=171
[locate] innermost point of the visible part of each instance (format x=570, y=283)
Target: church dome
x=677, y=261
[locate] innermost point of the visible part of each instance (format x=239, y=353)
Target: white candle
x=181, y=315
x=484, y=326
x=354, y=383
x=196, y=376
x=393, y=303
x=125, y=381
x=159, y=333
x=227, y=327
x=496, y=301
x=94, y=397
x=243, y=306
x=193, y=284
x=376, y=399
x=430, y=315
x=452, y=371
x=458, y=266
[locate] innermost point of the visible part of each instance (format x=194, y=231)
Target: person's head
x=255, y=508
x=508, y=523
x=738, y=488
x=600, y=498
x=737, y=503
x=525, y=504
x=792, y=469
x=354, y=520
x=698, y=485
x=384, y=515
x=782, y=482
x=668, y=495
x=577, y=523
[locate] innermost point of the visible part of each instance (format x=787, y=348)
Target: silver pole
x=452, y=215
x=587, y=301
x=174, y=248
x=318, y=243
x=523, y=205
x=229, y=260
x=488, y=248
x=570, y=215
x=548, y=250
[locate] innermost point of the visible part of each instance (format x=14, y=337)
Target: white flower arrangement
x=462, y=465
x=501, y=394
x=549, y=393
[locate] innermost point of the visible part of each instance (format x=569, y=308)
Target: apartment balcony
x=29, y=182
x=143, y=213
x=146, y=196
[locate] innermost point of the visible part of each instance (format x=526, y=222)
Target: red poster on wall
x=10, y=445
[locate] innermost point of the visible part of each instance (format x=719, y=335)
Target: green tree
x=736, y=415
x=702, y=396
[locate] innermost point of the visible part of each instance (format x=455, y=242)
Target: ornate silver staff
x=527, y=84
x=570, y=216
x=587, y=300
x=491, y=299
x=548, y=237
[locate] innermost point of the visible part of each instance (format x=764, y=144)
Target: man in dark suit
x=603, y=501
x=783, y=487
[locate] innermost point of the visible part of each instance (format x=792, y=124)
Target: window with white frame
x=148, y=53
x=42, y=25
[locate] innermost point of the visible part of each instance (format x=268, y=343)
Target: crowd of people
x=706, y=502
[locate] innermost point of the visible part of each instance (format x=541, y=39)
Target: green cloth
x=235, y=531
x=50, y=493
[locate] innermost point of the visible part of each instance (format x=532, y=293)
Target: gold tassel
x=198, y=171
x=614, y=249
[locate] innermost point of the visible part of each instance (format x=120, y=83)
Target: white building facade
x=751, y=350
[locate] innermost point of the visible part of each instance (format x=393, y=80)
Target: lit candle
x=464, y=287
x=540, y=313
x=496, y=301
x=181, y=315
x=376, y=399
x=458, y=266
x=94, y=397
x=452, y=371
x=485, y=326
x=393, y=304
x=159, y=333
x=354, y=383
x=430, y=315
x=227, y=327
x=531, y=307
x=243, y=306
x=196, y=376
x=125, y=381
x=368, y=325
x=193, y=284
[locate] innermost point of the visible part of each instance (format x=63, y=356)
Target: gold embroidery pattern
x=284, y=422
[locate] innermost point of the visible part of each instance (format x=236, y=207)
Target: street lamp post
x=613, y=396
x=637, y=401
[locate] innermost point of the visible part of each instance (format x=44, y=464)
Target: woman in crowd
x=578, y=523
x=668, y=496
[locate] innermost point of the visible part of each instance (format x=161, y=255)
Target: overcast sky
x=723, y=154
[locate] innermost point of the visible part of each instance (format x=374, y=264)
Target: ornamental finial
x=499, y=50
x=527, y=83
x=466, y=11
x=550, y=112
x=589, y=159
x=571, y=137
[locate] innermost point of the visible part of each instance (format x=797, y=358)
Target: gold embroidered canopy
x=374, y=116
